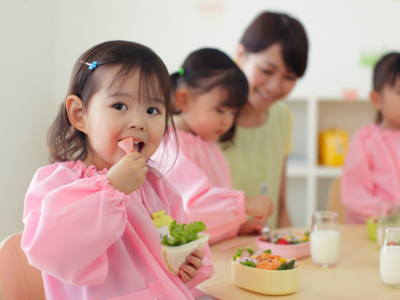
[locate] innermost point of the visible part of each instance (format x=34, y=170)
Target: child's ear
x=182, y=98
x=240, y=55
x=75, y=112
x=376, y=99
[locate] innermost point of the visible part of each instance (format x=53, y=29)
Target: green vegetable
x=238, y=252
x=282, y=266
x=182, y=234
x=268, y=251
x=290, y=265
x=250, y=251
x=287, y=266
x=248, y=264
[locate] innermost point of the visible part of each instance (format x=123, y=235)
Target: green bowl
x=371, y=228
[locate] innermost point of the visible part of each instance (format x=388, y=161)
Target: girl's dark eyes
x=233, y=112
x=153, y=111
x=120, y=106
x=268, y=72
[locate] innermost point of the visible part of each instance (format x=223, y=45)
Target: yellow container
x=268, y=282
x=333, y=144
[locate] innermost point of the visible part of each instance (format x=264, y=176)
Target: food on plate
x=263, y=260
x=183, y=240
x=288, y=237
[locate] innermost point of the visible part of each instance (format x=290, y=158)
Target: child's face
x=116, y=113
x=389, y=104
x=269, y=80
x=206, y=117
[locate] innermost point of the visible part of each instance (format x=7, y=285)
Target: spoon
x=266, y=231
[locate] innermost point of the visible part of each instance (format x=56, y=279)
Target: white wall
x=339, y=32
x=25, y=103
x=41, y=39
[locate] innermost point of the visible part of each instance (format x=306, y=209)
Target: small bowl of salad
x=266, y=273
x=287, y=243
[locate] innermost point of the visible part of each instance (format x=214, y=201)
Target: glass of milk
x=324, y=239
x=390, y=257
x=388, y=216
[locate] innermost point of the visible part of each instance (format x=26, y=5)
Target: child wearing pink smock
x=208, y=91
x=372, y=166
x=89, y=216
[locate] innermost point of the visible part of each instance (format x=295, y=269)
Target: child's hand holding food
x=129, y=173
x=189, y=269
x=181, y=253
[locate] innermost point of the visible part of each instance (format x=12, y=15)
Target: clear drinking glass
x=324, y=239
x=390, y=257
x=388, y=216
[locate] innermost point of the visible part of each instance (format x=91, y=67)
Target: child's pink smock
x=201, y=175
x=94, y=242
x=371, y=172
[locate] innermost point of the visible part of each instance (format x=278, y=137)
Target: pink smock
x=201, y=175
x=94, y=242
x=371, y=172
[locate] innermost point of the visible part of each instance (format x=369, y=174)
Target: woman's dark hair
x=207, y=68
x=270, y=28
x=67, y=143
x=386, y=70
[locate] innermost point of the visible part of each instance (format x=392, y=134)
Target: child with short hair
x=88, y=217
x=207, y=93
x=372, y=166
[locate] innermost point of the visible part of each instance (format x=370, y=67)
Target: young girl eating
x=372, y=167
x=207, y=93
x=88, y=217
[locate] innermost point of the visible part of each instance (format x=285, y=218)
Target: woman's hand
x=251, y=226
x=129, y=173
x=260, y=207
x=191, y=267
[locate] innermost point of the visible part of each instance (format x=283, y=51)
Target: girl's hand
x=129, y=173
x=259, y=206
x=252, y=226
x=191, y=267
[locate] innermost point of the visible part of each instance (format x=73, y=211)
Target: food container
x=292, y=250
x=267, y=282
x=371, y=228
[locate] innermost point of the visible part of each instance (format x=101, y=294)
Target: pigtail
x=174, y=86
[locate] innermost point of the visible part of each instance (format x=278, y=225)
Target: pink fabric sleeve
x=70, y=223
x=221, y=209
x=357, y=184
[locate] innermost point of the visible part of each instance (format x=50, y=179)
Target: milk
x=325, y=246
x=390, y=265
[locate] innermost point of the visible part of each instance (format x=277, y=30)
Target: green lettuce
x=182, y=234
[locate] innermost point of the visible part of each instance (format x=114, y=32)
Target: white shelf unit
x=307, y=182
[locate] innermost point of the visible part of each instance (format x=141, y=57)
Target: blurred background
x=40, y=41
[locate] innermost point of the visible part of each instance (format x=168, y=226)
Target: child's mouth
x=138, y=146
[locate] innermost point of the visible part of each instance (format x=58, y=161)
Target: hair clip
x=181, y=71
x=92, y=66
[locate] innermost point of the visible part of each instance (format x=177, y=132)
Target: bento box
x=287, y=243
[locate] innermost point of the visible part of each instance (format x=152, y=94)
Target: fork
x=266, y=231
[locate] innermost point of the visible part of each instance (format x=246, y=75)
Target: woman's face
x=269, y=79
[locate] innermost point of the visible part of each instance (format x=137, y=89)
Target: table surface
x=356, y=275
